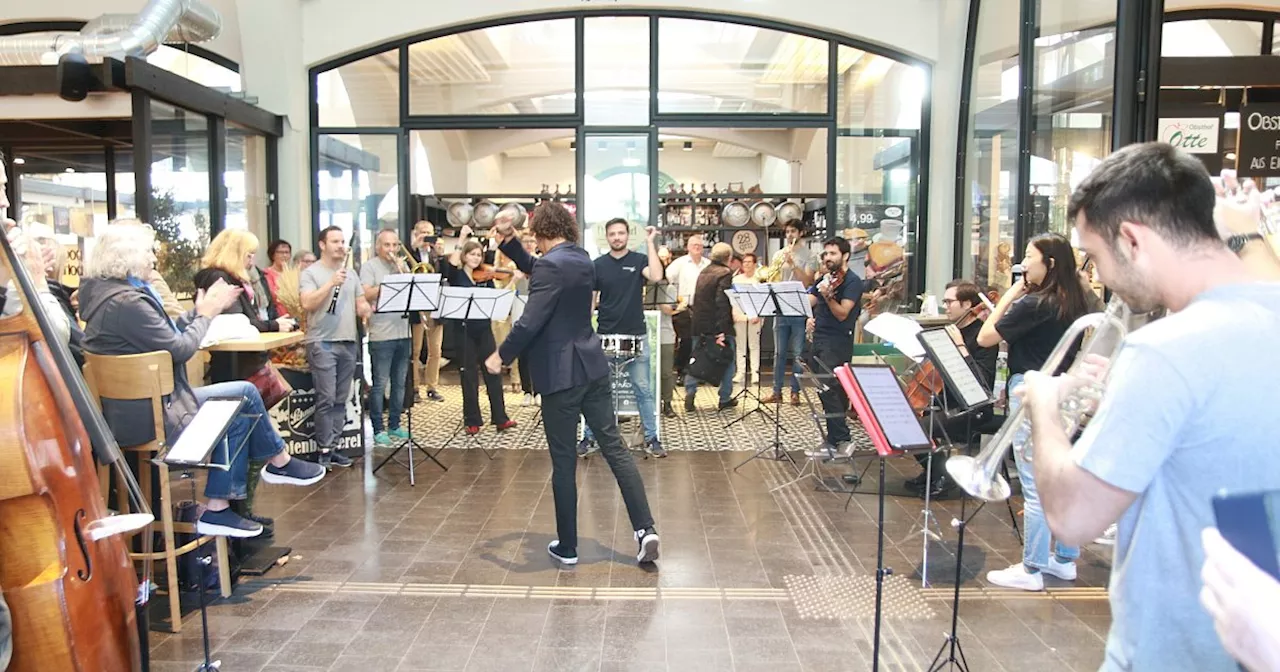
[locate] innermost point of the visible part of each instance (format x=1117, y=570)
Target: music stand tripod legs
x=951, y=641
x=412, y=463
x=773, y=450
x=746, y=393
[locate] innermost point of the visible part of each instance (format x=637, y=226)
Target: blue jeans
x=788, y=339
x=726, y=383
x=263, y=442
x=1036, y=534
x=641, y=375
x=390, y=359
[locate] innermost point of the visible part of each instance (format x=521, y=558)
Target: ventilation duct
x=118, y=36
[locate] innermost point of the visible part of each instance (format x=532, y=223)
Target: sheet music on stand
x=201, y=436
x=474, y=303
x=771, y=299
x=409, y=292
x=956, y=370
x=659, y=294
x=898, y=331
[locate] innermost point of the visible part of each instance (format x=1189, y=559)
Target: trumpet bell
x=968, y=473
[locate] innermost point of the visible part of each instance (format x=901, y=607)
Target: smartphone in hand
x=1251, y=523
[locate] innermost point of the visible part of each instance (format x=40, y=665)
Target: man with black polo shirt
x=620, y=278
x=835, y=312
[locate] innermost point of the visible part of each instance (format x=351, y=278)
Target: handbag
x=709, y=360
x=272, y=386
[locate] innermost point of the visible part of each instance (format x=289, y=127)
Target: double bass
x=65, y=571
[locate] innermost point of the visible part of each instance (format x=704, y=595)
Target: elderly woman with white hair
x=124, y=316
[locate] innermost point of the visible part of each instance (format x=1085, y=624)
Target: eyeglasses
x=947, y=302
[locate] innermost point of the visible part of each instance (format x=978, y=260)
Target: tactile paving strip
x=850, y=597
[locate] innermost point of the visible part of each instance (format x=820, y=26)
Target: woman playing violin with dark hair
x=477, y=342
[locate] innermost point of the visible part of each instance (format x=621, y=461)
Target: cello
x=75, y=600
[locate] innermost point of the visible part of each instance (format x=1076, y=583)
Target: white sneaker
x=1016, y=576
x=527, y=401
x=1063, y=570
x=1108, y=538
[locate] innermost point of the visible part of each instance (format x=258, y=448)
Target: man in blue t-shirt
x=836, y=303
x=1184, y=414
x=620, y=278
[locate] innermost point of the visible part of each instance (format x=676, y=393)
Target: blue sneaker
x=381, y=439
x=399, y=433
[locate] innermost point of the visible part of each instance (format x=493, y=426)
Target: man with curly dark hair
x=569, y=370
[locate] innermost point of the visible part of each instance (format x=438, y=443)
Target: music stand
x=752, y=312
x=193, y=450
x=881, y=404
x=776, y=299
x=406, y=293
x=473, y=303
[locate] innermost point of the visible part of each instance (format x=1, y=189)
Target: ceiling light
x=688, y=146
x=18, y=161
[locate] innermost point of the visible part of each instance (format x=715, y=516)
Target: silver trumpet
x=980, y=475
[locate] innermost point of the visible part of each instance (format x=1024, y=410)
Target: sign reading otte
x=1195, y=135
x=1258, y=149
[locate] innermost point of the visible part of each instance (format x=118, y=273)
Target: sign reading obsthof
x=1258, y=147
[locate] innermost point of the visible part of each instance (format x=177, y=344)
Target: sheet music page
x=486, y=303
x=898, y=331
x=793, y=299
x=394, y=295
x=957, y=369
x=889, y=403
x=426, y=291
x=197, y=439
x=502, y=302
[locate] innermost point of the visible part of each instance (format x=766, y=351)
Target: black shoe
x=268, y=524
x=916, y=483
x=940, y=488
x=728, y=404
x=654, y=447
x=586, y=447
x=648, y=542
x=294, y=472
x=332, y=458
x=689, y=405
x=434, y=396
x=566, y=557
x=667, y=411
x=226, y=523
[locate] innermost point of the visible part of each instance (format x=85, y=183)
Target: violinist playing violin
x=836, y=299
x=963, y=306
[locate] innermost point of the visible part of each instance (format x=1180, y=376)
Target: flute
x=333, y=302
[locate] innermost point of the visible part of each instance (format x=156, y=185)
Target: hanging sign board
x=1258, y=147
x=1193, y=135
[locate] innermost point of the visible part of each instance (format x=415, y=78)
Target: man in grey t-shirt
x=1183, y=415
x=331, y=339
x=389, y=341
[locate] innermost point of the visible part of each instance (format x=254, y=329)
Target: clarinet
x=333, y=302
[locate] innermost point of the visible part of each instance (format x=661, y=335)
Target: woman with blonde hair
x=229, y=258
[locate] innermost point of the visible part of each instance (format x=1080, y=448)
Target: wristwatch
x=1239, y=240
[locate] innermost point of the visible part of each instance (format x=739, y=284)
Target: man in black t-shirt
x=620, y=278
x=835, y=312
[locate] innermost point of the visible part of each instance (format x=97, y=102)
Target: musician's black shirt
x=824, y=322
x=985, y=358
x=620, y=283
x=1032, y=328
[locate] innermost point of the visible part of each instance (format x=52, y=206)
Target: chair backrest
x=146, y=376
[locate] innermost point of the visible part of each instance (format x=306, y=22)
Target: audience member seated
x=124, y=316
x=230, y=259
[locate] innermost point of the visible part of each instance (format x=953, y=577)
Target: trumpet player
x=1183, y=414
x=795, y=261
x=426, y=248
x=389, y=341
x=332, y=348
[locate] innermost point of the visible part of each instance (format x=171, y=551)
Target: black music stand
x=951, y=640
x=776, y=299
x=881, y=404
x=193, y=450
x=403, y=294
x=474, y=303
x=752, y=311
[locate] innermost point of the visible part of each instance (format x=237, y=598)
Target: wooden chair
x=149, y=376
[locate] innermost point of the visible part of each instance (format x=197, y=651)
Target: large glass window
x=519, y=68
x=617, y=185
x=246, y=181
x=179, y=191
x=724, y=68
x=196, y=68
x=1211, y=37
x=363, y=93
x=616, y=60
x=495, y=162
x=358, y=183
x=877, y=92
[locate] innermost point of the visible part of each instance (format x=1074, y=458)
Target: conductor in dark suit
x=569, y=369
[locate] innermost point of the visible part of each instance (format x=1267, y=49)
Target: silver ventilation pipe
x=118, y=36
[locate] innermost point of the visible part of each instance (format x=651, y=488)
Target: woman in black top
x=1032, y=317
x=477, y=344
x=229, y=258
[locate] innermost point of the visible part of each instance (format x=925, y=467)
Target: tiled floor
x=452, y=575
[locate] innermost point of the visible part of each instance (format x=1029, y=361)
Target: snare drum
x=621, y=346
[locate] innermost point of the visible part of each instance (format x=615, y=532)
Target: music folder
x=881, y=404
x=958, y=372
x=201, y=436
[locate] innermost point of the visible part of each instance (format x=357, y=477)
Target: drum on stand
x=622, y=349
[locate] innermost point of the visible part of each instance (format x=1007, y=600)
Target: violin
x=65, y=569
x=487, y=272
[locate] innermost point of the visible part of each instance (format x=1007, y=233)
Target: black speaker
x=74, y=76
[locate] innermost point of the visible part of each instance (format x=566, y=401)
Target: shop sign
x=1194, y=135
x=1258, y=147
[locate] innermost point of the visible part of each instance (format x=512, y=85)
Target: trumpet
x=980, y=475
